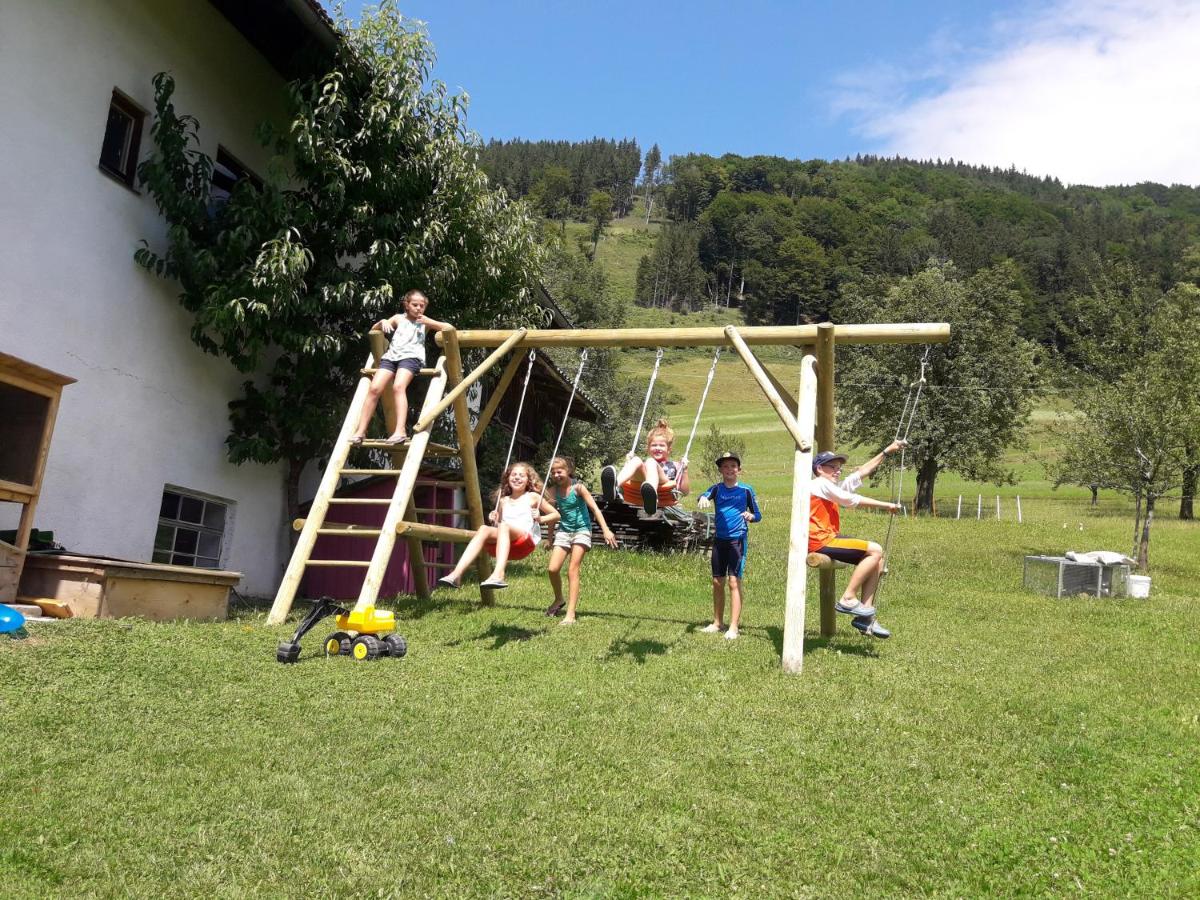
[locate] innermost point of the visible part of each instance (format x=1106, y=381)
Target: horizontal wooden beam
x=464, y=384
x=787, y=335
x=435, y=532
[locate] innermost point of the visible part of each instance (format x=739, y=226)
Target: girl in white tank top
x=516, y=528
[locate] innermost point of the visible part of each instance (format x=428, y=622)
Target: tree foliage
x=980, y=386
x=373, y=189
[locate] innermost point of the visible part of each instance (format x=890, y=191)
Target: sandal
x=399, y=441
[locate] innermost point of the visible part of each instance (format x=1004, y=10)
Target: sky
x=1094, y=92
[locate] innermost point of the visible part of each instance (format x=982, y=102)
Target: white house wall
x=149, y=408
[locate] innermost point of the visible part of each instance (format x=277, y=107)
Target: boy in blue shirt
x=737, y=507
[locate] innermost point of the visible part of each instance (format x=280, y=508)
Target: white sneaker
x=711, y=628
x=731, y=634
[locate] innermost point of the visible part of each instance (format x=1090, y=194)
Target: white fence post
x=979, y=507
x=958, y=515
x=997, y=507
x=1019, y=509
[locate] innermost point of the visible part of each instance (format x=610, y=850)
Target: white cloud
x=1090, y=92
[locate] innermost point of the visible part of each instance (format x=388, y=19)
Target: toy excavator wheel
x=366, y=646
x=338, y=643
x=288, y=651
x=396, y=645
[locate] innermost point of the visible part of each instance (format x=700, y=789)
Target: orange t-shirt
x=824, y=516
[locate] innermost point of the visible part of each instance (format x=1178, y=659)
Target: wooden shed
x=29, y=398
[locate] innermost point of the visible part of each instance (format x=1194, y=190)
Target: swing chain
x=562, y=428
x=646, y=403
x=712, y=370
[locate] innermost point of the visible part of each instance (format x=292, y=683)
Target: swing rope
x=712, y=370
x=516, y=423
x=646, y=403
x=562, y=428
x=903, y=429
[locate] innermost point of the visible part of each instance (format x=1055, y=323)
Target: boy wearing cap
x=737, y=507
x=824, y=526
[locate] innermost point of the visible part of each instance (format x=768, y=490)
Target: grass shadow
x=856, y=647
x=500, y=635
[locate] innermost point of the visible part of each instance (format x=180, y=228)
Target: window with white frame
x=191, y=529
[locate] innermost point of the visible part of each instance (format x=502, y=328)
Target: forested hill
x=781, y=238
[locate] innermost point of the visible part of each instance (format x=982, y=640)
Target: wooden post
x=402, y=496
x=958, y=515
x=320, y=505
x=978, y=507
x=489, y=410
x=784, y=394
x=461, y=386
x=797, y=571
x=825, y=434
x=997, y=507
x=466, y=449
x=1019, y=520
x=764, y=382
x=416, y=556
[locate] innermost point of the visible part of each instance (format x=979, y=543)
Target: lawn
x=1000, y=743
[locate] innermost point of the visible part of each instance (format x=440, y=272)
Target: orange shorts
x=518, y=549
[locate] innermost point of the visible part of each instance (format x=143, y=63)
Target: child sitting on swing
x=824, y=524
x=652, y=482
x=516, y=527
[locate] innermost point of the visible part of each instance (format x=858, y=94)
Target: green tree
x=650, y=170
x=600, y=214
x=373, y=190
x=980, y=386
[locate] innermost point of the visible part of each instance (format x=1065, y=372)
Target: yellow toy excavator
x=366, y=633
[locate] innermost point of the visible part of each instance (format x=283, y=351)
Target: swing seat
x=631, y=493
x=824, y=563
x=518, y=549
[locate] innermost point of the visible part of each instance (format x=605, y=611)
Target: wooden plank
x=348, y=563
x=36, y=374
x=162, y=601
x=431, y=449
x=462, y=426
x=319, y=507
x=392, y=472
x=787, y=335
x=425, y=532
x=825, y=437
x=760, y=375
x=462, y=385
x=401, y=497
x=498, y=391
x=797, y=573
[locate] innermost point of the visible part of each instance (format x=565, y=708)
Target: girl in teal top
x=573, y=535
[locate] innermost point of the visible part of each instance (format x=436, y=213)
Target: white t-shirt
x=841, y=494
x=408, y=341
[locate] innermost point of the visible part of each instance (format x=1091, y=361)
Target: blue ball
x=10, y=619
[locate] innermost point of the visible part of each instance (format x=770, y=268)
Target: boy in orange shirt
x=824, y=526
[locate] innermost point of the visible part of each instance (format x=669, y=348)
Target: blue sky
x=1094, y=91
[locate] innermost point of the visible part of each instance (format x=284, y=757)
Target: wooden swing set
x=808, y=418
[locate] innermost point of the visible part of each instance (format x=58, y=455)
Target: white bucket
x=1139, y=586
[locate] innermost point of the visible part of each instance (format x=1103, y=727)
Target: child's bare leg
x=400, y=394
x=471, y=552
x=650, y=472
x=379, y=384
x=866, y=571
x=735, y=603
x=718, y=585
x=626, y=471
x=577, y=554
x=871, y=584
x=558, y=556
x=504, y=536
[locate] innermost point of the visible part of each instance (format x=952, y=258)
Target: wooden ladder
x=400, y=511
x=400, y=518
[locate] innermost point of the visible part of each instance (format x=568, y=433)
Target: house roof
x=293, y=35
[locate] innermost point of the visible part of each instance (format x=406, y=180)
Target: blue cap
x=827, y=456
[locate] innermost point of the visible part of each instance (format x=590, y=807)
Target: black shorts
x=846, y=550
x=393, y=365
x=728, y=557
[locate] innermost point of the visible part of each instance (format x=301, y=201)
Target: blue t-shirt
x=731, y=502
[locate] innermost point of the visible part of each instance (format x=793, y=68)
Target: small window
x=191, y=530
x=122, y=135
x=227, y=172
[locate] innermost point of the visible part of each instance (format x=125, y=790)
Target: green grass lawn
x=1000, y=743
